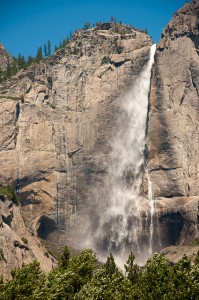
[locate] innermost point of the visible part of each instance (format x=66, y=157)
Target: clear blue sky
x=27, y=24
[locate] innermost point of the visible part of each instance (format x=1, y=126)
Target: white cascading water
x=152, y=208
x=154, y=221
x=121, y=225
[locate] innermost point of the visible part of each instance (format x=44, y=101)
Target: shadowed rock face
x=173, y=133
x=55, y=145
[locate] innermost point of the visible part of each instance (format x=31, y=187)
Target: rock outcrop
x=17, y=244
x=5, y=58
x=173, y=133
x=57, y=120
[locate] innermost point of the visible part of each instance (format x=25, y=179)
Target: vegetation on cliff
x=82, y=278
x=20, y=62
x=10, y=193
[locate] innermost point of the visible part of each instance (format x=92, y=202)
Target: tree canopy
x=81, y=278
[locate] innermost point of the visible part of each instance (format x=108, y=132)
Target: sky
x=27, y=24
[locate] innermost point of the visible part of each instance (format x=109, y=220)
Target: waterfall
x=154, y=228
x=121, y=225
x=152, y=208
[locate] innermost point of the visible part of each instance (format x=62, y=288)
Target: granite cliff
x=58, y=119
x=172, y=130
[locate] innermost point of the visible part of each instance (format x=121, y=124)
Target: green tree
x=65, y=282
x=56, y=48
x=196, y=260
x=8, y=71
x=64, y=43
x=86, y=26
x=113, y=19
x=30, y=60
x=60, y=285
x=45, y=50
x=132, y=270
x=65, y=257
x=83, y=265
x=108, y=283
x=28, y=283
x=23, y=62
x=14, y=67
x=39, y=55
x=48, y=48
x=110, y=265
x=19, y=62
x=153, y=283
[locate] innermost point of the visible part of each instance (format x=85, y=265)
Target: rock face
x=5, y=58
x=56, y=138
x=17, y=244
x=173, y=133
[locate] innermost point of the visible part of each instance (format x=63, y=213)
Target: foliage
x=65, y=281
x=28, y=283
x=87, y=25
x=196, y=261
x=48, y=48
x=79, y=278
x=102, y=286
x=110, y=267
x=113, y=19
x=10, y=193
x=21, y=63
x=24, y=240
x=65, y=257
x=195, y=242
x=39, y=55
x=132, y=270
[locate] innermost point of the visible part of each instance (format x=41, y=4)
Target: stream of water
x=121, y=226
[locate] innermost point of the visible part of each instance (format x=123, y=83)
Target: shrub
x=24, y=240
x=10, y=193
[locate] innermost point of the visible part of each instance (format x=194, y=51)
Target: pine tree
x=132, y=270
x=8, y=71
x=56, y=48
x=113, y=19
x=87, y=25
x=110, y=265
x=19, y=61
x=14, y=67
x=30, y=60
x=39, y=55
x=49, y=48
x=64, y=43
x=65, y=257
x=45, y=50
x=23, y=62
